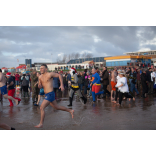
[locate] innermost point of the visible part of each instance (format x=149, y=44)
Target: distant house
x=12, y=69
x=4, y=69
x=21, y=68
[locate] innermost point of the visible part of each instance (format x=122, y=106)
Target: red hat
x=74, y=69
x=8, y=74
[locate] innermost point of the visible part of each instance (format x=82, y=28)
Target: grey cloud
x=38, y=43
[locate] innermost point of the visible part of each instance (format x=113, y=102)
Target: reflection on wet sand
x=102, y=115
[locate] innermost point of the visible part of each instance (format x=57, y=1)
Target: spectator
x=105, y=81
x=81, y=81
x=25, y=84
x=17, y=78
x=138, y=79
x=150, y=81
x=86, y=83
x=144, y=83
x=55, y=85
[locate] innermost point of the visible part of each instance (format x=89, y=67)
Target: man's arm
x=39, y=83
x=10, y=84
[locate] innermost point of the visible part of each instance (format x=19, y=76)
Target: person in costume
x=96, y=85
x=75, y=87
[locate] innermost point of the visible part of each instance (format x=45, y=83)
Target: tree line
x=68, y=57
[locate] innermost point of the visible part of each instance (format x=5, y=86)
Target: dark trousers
x=150, y=87
x=25, y=88
x=0, y=97
x=127, y=95
x=138, y=84
x=116, y=95
x=55, y=91
x=85, y=89
x=105, y=89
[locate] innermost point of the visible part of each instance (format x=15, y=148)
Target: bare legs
x=5, y=126
x=113, y=93
x=39, y=97
x=54, y=105
x=44, y=104
x=11, y=98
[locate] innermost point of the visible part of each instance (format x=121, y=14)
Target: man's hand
x=7, y=86
x=35, y=84
x=94, y=84
x=62, y=88
x=40, y=86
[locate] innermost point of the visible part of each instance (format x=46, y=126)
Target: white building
x=83, y=65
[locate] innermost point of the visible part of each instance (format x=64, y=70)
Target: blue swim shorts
x=50, y=96
x=41, y=91
x=3, y=90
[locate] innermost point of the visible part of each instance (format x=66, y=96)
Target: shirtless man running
x=113, y=82
x=46, y=81
x=3, y=88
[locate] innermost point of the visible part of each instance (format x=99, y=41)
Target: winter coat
x=105, y=77
x=81, y=79
x=148, y=73
x=143, y=82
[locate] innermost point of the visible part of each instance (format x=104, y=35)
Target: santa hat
x=8, y=74
x=74, y=69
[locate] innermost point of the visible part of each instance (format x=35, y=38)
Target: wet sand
x=104, y=115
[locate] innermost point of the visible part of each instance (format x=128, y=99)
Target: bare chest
x=46, y=80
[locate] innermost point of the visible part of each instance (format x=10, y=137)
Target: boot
x=70, y=100
x=83, y=100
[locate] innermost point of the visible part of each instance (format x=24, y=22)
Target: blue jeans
x=16, y=82
x=85, y=89
x=90, y=92
x=81, y=85
x=132, y=87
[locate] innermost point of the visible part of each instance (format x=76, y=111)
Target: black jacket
x=81, y=79
x=143, y=82
x=148, y=73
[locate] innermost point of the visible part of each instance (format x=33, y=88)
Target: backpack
x=25, y=82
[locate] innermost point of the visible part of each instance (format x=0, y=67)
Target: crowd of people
x=117, y=84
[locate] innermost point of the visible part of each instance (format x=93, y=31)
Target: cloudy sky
x=38, y=43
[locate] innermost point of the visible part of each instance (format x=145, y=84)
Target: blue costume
x=96, y=88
